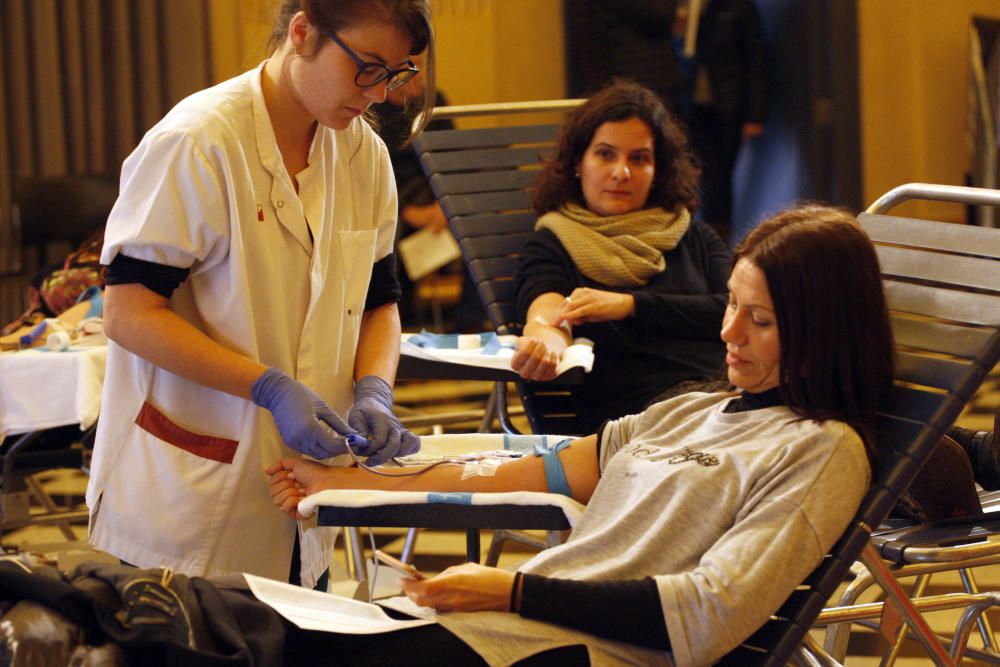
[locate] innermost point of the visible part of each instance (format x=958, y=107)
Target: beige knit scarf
x=617, y=250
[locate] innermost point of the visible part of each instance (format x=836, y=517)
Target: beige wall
x=914, y=69
x=488, y=50
x=499, y=51
x=240, y=29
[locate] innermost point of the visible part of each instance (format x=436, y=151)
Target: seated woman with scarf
x=617, y=259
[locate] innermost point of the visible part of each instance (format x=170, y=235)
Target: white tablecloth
x=42, y=389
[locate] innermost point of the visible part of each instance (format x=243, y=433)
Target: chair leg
x=896, y=596
x=503, y=410
x=838, y=635
x=354, y=554
x=964, y=628
x=919, y=587
x=411, y=540
x=811, y=654
x=489, y=412
x=496, y=546
x=501, y=535
x=45, y=499
x=983, y=623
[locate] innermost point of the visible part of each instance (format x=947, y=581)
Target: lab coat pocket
x=357, y=255
x=209, y=447
x=174, y=477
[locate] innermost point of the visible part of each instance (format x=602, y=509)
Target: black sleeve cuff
x=159, y=278
x=626, y=611
x=600, y=443
x=384, y=286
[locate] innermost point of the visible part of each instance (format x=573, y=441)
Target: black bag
x=115, y=614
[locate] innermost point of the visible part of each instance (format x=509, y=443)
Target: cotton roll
x=469, y=341
x=577, y=354
x=58, y=341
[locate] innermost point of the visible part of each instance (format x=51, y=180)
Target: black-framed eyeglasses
x=371, y=74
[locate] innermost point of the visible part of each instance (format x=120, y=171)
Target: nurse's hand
x=372, y=417
x=306, y=423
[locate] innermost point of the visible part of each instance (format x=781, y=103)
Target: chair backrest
x=942, y=282
x=480, y=177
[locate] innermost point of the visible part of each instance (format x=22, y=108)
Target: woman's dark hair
x=412, y=16
x=837, y=356
x=675, y=182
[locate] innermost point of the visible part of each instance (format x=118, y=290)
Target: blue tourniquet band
x=555, y=476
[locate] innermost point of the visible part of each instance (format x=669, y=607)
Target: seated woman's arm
x=548, y=328
x=291, y=479
x=626, y=611
x=545, y=277
x=542, y=342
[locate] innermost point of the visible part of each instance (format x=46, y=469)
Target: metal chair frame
x=918, y=258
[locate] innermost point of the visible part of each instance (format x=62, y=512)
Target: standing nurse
x=251, y=296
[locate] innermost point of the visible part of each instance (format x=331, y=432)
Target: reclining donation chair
x=480, y=177
x=942, y=282
x=960, y=326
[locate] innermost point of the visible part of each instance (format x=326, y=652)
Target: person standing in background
x=627, y=39
x=719, y=50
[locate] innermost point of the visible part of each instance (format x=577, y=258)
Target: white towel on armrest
x=367, y=498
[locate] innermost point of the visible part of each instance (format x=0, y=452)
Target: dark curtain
x=82, y=80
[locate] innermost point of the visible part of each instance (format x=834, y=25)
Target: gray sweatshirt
x=728, y=513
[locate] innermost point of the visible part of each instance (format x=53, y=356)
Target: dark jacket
x=629, y=39
x=673, y=335
x=731, y=48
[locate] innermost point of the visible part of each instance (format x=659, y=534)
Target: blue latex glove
x=372, y=417
x=304, y=419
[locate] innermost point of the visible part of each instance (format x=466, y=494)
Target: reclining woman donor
x=705, y=510
x=616, y=258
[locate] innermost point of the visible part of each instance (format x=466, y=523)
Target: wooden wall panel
x=914, y=71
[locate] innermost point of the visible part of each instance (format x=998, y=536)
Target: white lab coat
x=176, y=477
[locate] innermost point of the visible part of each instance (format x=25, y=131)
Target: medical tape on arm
x=484, y=468
x=564, y=325
x=555, y=475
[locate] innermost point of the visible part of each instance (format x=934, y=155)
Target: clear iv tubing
x=354, y=440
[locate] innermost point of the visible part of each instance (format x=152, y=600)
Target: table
x=41, y=389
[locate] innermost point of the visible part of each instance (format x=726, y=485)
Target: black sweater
x=673, y=335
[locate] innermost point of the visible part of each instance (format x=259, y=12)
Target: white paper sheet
x=314, y=610
x=425, y=250
x=408, y=606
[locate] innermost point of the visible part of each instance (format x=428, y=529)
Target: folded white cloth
x=580, y=353
x=367, y=498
